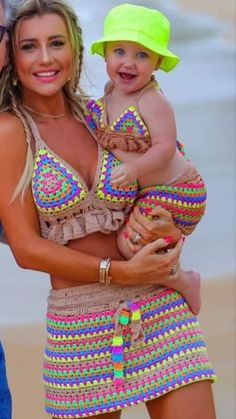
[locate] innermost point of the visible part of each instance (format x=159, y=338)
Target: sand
x=24, y=348
x=225, y=10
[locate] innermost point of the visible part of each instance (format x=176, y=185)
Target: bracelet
x=104, y=277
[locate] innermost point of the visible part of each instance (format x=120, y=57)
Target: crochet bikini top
x=133, y=133
x=127, y=132
x=67, y=208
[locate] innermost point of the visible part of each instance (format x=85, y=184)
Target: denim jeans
x=2, y=238
x=5, y=395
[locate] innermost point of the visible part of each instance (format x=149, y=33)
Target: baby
x=135, y=121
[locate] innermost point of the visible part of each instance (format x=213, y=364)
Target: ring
x=174, y=269
x=136, y=238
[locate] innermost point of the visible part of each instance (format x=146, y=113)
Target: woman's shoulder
x=11, y=132
x=10, y=123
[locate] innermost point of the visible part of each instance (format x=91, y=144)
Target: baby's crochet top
x=128, y=131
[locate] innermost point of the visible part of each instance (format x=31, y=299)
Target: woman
x=3, y=61
x=114, y=337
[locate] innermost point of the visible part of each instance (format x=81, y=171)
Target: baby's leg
x=188, y=283
x=185, y=200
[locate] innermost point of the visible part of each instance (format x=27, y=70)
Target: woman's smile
x=48, y=76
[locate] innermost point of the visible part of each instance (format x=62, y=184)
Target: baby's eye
x=142, y=54
x=119, y=51
x=28, y=47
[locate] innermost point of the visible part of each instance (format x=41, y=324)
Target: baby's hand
x=124, y=175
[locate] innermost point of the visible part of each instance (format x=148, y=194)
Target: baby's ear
x=159, y=61
x=105, y=51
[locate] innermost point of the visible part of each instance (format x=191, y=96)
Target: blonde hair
x=10, y=92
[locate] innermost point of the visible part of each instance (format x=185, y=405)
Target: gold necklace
x=44, y=115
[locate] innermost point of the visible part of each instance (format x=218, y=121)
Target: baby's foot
x=191, y=291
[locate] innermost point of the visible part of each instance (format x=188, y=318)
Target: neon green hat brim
x=169, y=61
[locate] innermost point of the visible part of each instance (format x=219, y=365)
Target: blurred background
x=202, y=90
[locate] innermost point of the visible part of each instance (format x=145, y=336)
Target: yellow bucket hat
x=147, y=27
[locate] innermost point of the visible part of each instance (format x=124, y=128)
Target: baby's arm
x=158, y=116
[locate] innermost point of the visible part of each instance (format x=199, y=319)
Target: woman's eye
x=142, y=54
x=57, y=43
x=119, y=51
x=27, y=47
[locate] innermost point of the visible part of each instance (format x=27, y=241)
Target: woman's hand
x=150, y=265
x=161, y=226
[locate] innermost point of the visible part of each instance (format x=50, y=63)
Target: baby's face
x=130, y=65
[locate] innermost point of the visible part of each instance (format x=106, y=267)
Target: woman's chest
x=77, y=148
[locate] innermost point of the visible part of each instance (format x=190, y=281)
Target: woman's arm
x=160, y=226
x=20, y=217
x=31, y=251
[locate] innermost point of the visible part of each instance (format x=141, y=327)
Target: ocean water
x=202, y=92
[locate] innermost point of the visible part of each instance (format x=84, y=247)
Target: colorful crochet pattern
x=108, y=192
x=87, y=371
x=128, y=314
x=129, y=121
x=67, y=208
x=185, y=201
x=55, y=188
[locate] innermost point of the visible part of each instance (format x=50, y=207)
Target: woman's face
x=43, y=55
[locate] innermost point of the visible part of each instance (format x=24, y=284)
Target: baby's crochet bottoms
x=184, y=197
x=111, y=347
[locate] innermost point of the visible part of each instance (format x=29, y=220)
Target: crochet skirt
x=110, y=347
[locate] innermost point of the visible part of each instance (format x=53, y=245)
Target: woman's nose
x=45, y=56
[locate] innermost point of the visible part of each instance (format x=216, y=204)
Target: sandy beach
x=24, y=347
x=225, y=11
x=222, y=9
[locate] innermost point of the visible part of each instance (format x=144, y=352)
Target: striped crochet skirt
x=110, y=347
